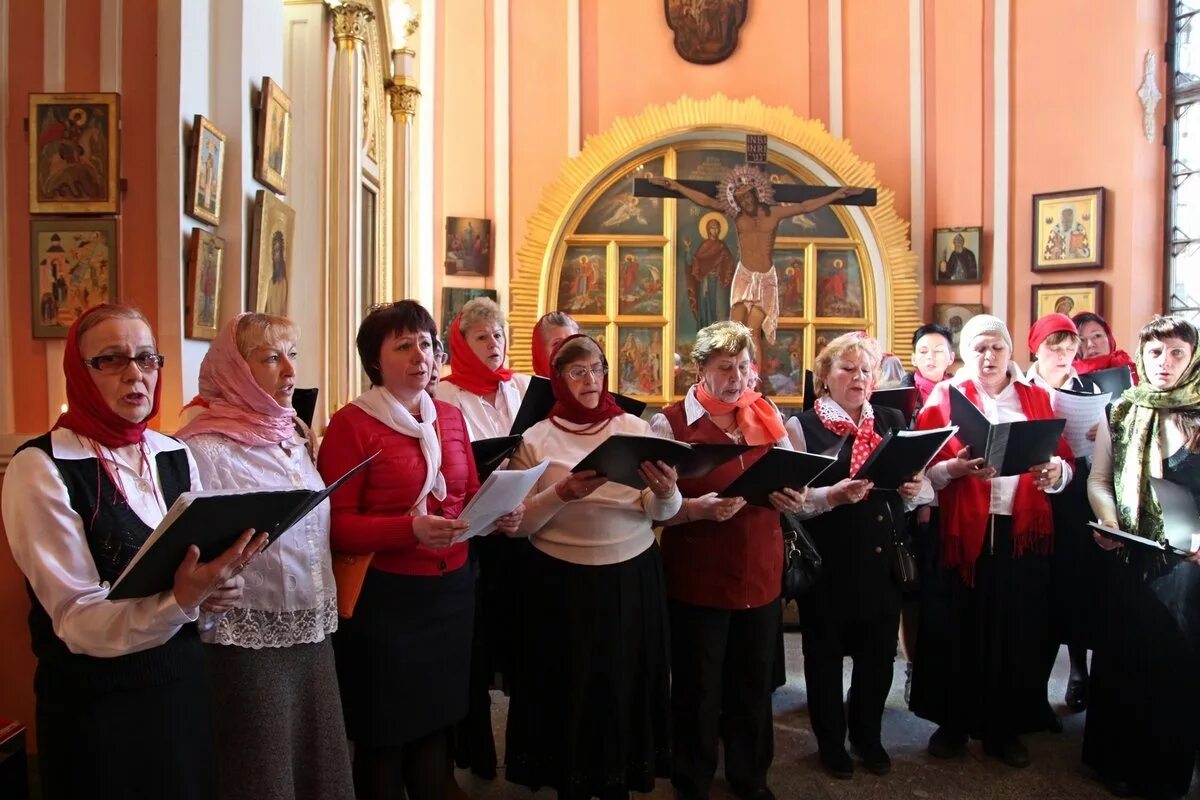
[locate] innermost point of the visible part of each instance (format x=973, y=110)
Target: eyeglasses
x=579, y=374
x=440, y=358
x=147, y=362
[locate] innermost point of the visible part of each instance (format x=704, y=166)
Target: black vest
x=856, y=541
x=114, y=534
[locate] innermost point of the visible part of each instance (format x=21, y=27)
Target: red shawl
x=966, y=502
x=88, y=414
x=467, y=370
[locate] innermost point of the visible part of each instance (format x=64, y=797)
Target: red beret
x=1047, y=325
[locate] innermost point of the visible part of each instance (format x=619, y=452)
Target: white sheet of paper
x=504, y=490
x=1081, y=414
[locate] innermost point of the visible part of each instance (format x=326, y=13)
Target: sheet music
x=504, y=490
x=1082, y=412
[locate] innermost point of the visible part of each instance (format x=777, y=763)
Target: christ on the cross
x=746, y=195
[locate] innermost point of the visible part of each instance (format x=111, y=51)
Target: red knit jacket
x=369, y=511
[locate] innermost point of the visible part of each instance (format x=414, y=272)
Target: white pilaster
x=1000, y=160
x=835, y=68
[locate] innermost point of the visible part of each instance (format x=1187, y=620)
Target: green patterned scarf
x=1137, y=445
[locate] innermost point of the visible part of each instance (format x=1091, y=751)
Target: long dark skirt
x=1144, y=698
x=404, y=657
x=278, y=719
x=590, y=712
x=984, y=655
x=1075, y=566
x=128, y=743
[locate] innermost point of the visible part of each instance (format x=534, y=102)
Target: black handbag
x=801, y=560
x=906, y=567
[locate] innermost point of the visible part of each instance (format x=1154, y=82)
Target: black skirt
x=136, y=741
x=1144, y=699
x=590, y=713
x=404, y=657
x=1075, y=583
x=984, y=653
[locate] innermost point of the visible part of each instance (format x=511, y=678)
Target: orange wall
x=137, y=277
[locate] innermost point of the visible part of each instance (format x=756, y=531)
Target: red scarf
x=88, y=414
x=835, y=420
x=966, y=502
x=924, y=386
x=541, y=356
x=756, y=417
x=467, y=370
x=1117, y=358
x=568, y=408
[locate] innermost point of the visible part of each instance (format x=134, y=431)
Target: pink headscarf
x=234, y=404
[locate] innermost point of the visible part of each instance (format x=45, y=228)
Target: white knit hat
x=980, y=324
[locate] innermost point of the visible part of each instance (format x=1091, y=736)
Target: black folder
x=619, y=456
x=1011, y=447
x=1135, y=540
x=490, y=453
x=1113, y=380
x=901, y=398
x=539, y=399
x=305, y=403
x=901, y=456
x=213, y=521
x=777, y=469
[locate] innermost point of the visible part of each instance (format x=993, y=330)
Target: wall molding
x=574, y=81
x=54, y=79
x=916, y=132
x=835, y=68
x=7, y=395
x=1002, y=27
x=426, y=227
x=502, y=144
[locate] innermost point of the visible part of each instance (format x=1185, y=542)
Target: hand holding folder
x=778, y=469
x=1011, y=448
x=212, y=522
x=619, y=457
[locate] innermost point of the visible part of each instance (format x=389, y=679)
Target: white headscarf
x=382, y=405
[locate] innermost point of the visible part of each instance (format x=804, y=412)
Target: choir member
x=1141, y=734
x=981, y=667
x=123, y=702
x=548, y=334
x=277, y=711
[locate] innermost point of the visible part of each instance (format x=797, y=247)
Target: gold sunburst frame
x=658, y=125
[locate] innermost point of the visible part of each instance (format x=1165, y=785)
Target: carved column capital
x=350, y=21
x=403, y=98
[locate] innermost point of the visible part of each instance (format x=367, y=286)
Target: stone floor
x=1056, y=773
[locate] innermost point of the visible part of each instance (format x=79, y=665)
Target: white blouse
x=49, y=545
x=290, y=596
x=485, y=420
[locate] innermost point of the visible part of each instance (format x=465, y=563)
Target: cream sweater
x=611, y=525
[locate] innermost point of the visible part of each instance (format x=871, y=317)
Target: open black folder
x=777, y=469
x=1011, y=447
x=1113, y=380
x=901, y=455
x=490, y=453
x=619, y=456
x=213, y=521
x=539, y=399
x=901, y=398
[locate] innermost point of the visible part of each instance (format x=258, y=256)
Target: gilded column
x=350, y=21
x=402, y=95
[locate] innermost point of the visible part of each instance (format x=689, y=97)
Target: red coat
x=733, y=564
x=369, y=511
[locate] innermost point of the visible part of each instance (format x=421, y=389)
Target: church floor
x=1056, y=773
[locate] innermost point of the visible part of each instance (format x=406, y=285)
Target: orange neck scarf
x=756, y=417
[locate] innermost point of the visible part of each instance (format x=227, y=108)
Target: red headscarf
x=88, y=413
x=965, y=503
x=467, y=370
x=567, y=407
x=1047, y=326
x=1113, y=358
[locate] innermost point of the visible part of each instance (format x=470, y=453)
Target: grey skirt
x=278, y=721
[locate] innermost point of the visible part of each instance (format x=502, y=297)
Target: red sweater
x=369, y=511
x=733, y=564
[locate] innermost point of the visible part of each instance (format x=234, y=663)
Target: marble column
x=350, y=21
